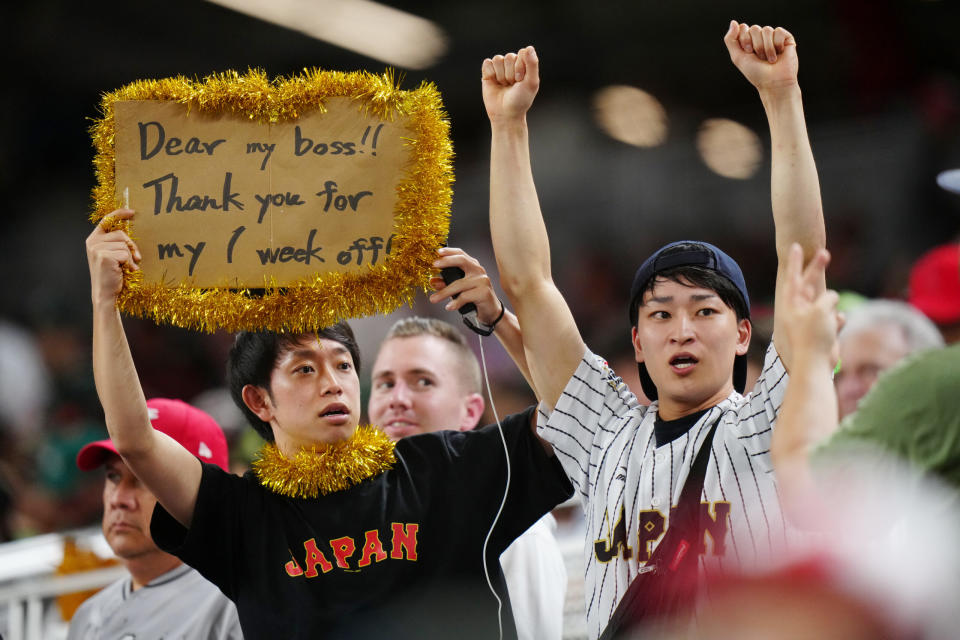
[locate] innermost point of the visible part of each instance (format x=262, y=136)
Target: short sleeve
x=757, y=414
x=591, y=412
x=214, y=539
x=537, y=481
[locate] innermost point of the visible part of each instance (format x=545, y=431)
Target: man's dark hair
x=694, y=276
x=254, y=354
x=692, y=263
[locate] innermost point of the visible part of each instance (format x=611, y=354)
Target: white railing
x=29, y=586
x=25, y=599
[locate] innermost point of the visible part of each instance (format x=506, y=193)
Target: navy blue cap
x=698, y=254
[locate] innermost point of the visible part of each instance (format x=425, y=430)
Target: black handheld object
x=469, y=310
x=449, y=275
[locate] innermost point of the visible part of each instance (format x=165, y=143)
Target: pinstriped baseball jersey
x=605, y=441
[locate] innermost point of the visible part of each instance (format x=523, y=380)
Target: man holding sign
x=689, y=315
x=337, y=532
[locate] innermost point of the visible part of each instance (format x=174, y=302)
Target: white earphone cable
x=506, y=490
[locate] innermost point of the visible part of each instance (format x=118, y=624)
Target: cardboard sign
x=225, y=202
x=284, y=205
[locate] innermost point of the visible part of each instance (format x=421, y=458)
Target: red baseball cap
x=935, y=284
x=196, y=430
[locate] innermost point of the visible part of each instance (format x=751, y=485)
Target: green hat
x=913, y=411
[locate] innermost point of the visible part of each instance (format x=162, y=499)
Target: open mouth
x=335, y=410
x=683, y=362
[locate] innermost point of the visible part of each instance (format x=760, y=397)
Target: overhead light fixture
x=729, y=148
x=368, y=28
x=630, y=115
x=949, y=180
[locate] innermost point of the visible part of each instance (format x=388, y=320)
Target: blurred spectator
x=883, y=486
x=25, y=391
x=877, y=335
x=882, y=495
x=47, y=492
x=912, y=412
x=913, y=415
x=63, y=498
x=935, y=288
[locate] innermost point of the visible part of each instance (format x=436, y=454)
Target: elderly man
x=876, y=336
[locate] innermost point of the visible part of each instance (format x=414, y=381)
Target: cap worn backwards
x=698, y=254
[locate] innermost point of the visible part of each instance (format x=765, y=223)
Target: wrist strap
x=484, y=329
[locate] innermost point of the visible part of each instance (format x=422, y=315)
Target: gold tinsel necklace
x=326, y=468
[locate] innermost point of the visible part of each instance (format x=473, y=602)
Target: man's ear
x=258, y=401
x=744, y=331
x=637, y=349
x=472, y=411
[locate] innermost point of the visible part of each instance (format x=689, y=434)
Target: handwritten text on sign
x=223, y=201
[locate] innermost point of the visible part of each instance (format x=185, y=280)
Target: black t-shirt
x=396, y=556
x=669, y=430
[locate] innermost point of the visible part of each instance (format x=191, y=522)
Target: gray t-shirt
x=179, y=604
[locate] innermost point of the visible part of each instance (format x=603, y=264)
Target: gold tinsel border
x=421, y=216
x=327, y=468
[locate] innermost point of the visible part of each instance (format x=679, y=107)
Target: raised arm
x=551, y=340
x=168, y=470
x=809, y=410
x=475, y=287
x=767, y=57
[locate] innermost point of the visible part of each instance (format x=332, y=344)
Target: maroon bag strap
x=663, y=583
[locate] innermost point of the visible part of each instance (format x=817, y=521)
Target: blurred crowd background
x=643, y=133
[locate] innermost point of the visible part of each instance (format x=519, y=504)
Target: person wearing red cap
x=935, y=288
x=162, y=597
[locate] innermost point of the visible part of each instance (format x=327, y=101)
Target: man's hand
x=766, y=56
x=811, y=319
x=107, y=254
x=510, y=83
x=474, y=286
x=808, y=321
